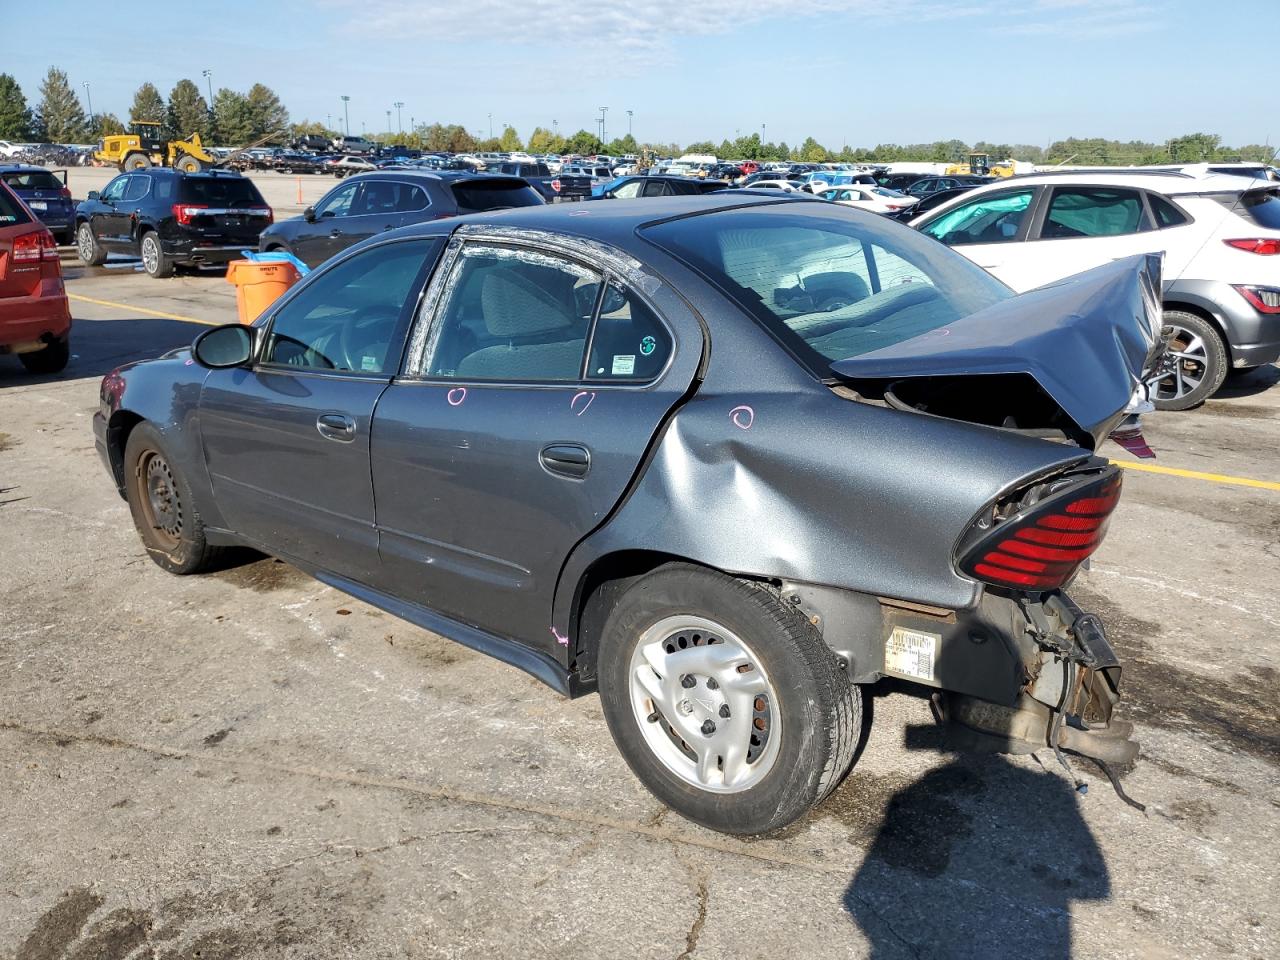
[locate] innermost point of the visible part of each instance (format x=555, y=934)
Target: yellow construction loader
x=145, y=146
x=980, y=165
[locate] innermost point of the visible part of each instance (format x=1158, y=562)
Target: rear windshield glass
x=478, y=195
x=32, y=180
x=1263, y=208
x=828, y=282
x=11, y=210
x=221, y=192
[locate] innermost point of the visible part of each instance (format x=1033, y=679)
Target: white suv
x=1220, y=236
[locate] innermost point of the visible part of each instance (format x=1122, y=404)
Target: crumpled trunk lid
x=1087, y=342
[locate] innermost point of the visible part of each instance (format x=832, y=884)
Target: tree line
x=236, y=119
x=58, y=116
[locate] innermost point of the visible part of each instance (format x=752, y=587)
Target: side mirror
x=230, y=345
x=309, y=214
x=93, y=195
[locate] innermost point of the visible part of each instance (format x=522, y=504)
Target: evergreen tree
x=62, y=118
x=147, y=105
x=15, y=115
x=188, y=113
x=266, y=113
x=811, y=151
x=105, y=125
x=232, y=118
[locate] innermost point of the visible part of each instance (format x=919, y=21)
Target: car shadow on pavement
x=99, y=346
x=1249, y=384
x=981, y=857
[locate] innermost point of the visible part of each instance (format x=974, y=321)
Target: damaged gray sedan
x=724, y=460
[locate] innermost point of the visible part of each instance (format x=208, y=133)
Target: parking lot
x=253, y=764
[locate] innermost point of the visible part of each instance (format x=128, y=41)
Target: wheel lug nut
x=711, y=684
x=688, y=682
x=686, y=707
x=724, y=710
x=708, y=727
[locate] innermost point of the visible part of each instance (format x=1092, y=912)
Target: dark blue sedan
x=46, y=194
x=723, y=459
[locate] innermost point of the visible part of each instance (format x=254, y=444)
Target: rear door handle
x=336, y=426
x=566, y=460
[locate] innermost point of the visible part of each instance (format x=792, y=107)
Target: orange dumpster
x=258, y=285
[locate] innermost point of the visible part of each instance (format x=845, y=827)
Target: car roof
x=421, y=173
x=1171, y=183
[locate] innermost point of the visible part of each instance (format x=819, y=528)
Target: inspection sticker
x=624, y=364
x=910, y=653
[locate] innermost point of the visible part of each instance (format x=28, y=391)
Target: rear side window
x=1166, y=214
x=1262, y=207
x=629, y=342
x=32, y=180
x=11, y=209
x=221, y=192
x=1092, y=212
x=476, y=196
x=137, y=189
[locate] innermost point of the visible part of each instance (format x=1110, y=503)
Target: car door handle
x=566, y=459
x=336, y=426
x=335, y=232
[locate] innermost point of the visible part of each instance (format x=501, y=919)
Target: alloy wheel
x=704, y=704
x=150, y=254
x=84, y=243
x=1182, y=368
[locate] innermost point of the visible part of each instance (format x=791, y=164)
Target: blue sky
x=861, y=72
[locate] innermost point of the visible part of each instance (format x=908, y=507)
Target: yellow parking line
x=1197, y=475
x=150, y=313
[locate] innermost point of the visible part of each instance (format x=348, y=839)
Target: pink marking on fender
x=187, y=363
x=743, y=417
x=562, y=640
x=456, y=396
x=581, y=408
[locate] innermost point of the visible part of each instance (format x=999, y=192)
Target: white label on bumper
x=910, y=653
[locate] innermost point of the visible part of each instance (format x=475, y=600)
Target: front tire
x=135, y=161
x=1194, y=367
x=188, y=164
x=154, y=260
x=87, y=247
x=725, y=702
x=163, y=508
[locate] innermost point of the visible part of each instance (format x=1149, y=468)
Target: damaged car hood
x=1086, y=340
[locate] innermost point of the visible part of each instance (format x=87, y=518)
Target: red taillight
x=34, y=247
x=65, y=193
x=263, y=211
x=1263, y=246
x=1042, y=546
x=183, y=212
x=1263, y=299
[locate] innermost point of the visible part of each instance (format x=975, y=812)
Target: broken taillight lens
x=1040, y=545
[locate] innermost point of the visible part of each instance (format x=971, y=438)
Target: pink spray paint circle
x=581, y=400
x=743, y=417
x=456, y=396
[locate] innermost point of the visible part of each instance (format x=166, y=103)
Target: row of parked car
x=1219, y=232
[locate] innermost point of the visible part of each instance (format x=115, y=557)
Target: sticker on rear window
x=7, y=219
x=910, y=653
x=624, y=365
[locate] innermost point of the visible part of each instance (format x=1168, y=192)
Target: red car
x=35, y=318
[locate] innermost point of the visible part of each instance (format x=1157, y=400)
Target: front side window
x=1092, y=212
x=347, y=319
x=989, y=219
x=827, y=285
x=115, y=189
x=513, y=315
x=338, y=203
x=628, y=190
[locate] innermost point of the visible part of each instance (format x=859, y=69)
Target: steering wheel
x=364, y=333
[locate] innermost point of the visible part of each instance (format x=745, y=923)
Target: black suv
x=167, y=217
x=370, y=203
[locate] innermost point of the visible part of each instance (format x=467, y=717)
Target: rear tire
x=759, y=670
x=1195, y=366
x=87, y=247
x=163, y=508
x=135, y=161
x=52, y=359
x=154, y=260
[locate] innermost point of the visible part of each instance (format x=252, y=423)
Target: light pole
x=346, y=117
x=629, y=114
x=89, y=97
x=328, y=121
x=491, y=126
x=208, y=76
x=388, y=123
x=400, y=125
x=603, y=112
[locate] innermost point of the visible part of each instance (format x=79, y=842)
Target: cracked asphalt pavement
x=251, y=764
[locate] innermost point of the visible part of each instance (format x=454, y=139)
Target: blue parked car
x=46, y=194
